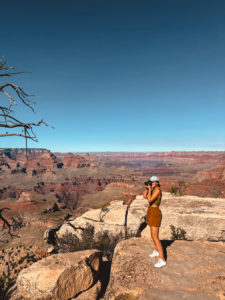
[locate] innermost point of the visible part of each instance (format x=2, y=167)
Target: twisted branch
x=7, y=120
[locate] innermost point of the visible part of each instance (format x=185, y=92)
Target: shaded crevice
x=125, y=223
x=52, y=238
x=104, y=272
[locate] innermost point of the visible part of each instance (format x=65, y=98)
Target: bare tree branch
x=7, y=120
x=20, y=93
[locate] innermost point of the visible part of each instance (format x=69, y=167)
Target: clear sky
x=119, y=75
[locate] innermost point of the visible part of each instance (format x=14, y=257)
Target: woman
x=154, y=217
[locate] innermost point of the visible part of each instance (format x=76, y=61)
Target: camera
x=148, y=183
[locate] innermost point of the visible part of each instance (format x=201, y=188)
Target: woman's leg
x=155, y=237
x=152, y=235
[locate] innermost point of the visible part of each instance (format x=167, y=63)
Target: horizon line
x=112, y=151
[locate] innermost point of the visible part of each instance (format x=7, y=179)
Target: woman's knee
x=152, y=234
x=155, y=236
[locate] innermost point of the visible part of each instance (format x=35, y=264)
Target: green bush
x=104, y=207
x=177, y=233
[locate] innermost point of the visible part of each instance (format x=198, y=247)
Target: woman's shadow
x=165, y=243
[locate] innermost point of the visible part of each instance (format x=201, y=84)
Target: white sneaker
x=154, y=254
x=160, y=263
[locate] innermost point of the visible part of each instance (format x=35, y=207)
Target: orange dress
x=154, y=214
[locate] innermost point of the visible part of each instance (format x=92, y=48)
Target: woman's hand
x=146, y=192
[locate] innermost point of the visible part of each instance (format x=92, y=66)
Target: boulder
x=112, y=220
x=99, y=227
x=194, y=270
x=93, y=215
x=60, y=276
x=68, y=228
x=115, y=215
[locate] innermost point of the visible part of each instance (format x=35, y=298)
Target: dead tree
x=17, y=223
x=5, y=222
x=8, y=119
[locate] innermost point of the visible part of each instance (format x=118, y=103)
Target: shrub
x=104, y=207
x=4, y=283
x=178, y=190
x=103, y=242
x=177, y=233
x=107, y=243
x=173, y=190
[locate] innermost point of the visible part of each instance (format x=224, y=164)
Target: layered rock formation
x=16, y=158
x=190, y=156
x=39, y=161
x=68, y=192
x=76, y=161
x=203, y=171
x=194, y=270
x=217, y=173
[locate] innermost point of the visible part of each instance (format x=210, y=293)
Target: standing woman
x=154, y=217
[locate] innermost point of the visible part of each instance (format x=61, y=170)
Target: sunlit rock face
x=60, y=276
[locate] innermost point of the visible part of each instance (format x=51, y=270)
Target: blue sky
x=119, y=75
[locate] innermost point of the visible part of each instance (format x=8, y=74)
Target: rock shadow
x=141, y=228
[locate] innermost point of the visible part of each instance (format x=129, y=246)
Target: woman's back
x=158, y=199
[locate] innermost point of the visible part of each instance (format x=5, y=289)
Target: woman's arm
x=145, y=194
x=154, y=196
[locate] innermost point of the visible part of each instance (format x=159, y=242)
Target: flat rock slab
x=195, y=270
x=60, y=276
